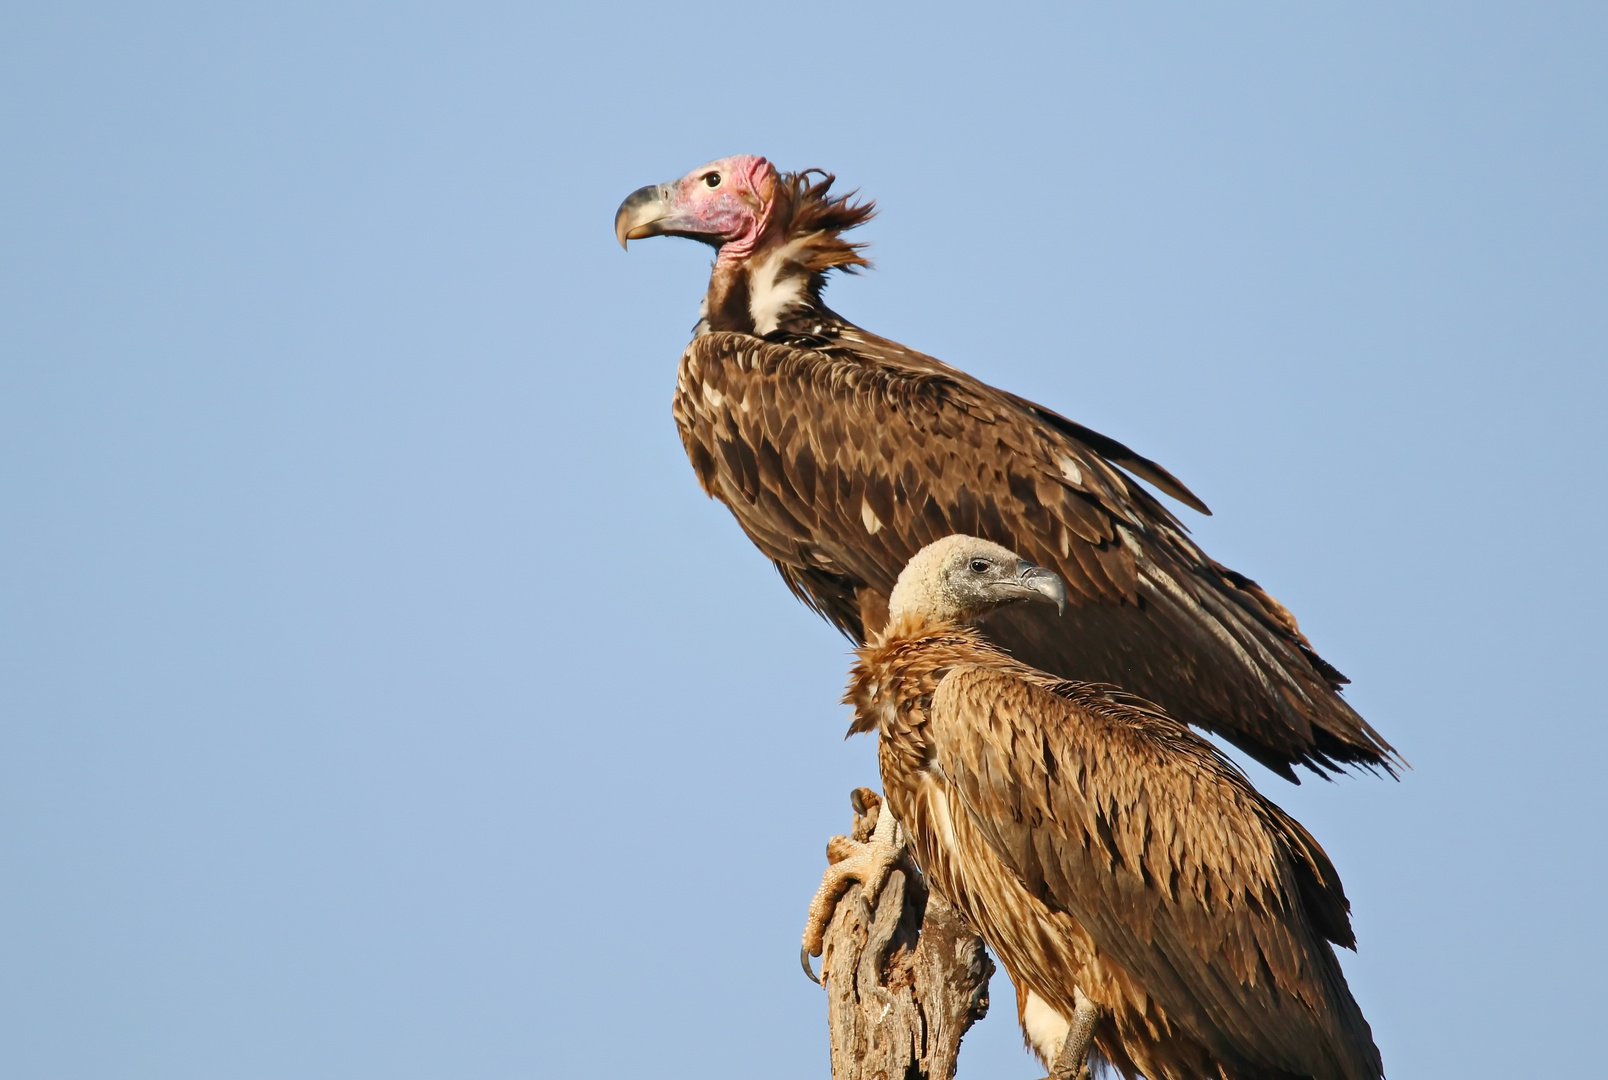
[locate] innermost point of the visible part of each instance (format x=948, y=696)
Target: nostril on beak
x=1047, y=584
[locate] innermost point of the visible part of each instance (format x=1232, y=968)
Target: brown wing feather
x=841, y=464
x=1211, y=897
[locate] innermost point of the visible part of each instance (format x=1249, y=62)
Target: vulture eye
x=979, y=566
x=712, y=179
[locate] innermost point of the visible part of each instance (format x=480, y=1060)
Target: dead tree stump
x=905, y=981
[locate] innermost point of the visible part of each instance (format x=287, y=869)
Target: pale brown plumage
x=1097, y=844
x=841, y=453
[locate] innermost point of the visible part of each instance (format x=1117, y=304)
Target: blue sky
x=379, y=697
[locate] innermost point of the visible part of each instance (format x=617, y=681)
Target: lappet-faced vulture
x=1140, y=892
x=842, y=453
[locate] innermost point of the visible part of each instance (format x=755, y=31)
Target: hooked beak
x=1038, y=583
x=647, y=211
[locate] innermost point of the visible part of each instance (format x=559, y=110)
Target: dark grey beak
x=645, y=212
x=1044, y=584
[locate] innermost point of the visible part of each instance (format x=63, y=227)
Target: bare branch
x=903, y=982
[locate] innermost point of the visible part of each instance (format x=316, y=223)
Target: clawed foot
x=867, y=863
x=1082, y=1073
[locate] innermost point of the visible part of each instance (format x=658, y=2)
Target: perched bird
x=842, y=453
x=1139, y=891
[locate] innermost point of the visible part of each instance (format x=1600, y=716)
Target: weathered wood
x=905, y=981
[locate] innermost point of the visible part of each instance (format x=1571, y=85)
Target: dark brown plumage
x=1102, y=848
x=841, y=453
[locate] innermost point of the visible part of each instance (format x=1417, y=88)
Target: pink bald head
x=726, y=203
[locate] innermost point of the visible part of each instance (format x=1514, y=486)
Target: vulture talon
x=804, y=958
x=867, y=865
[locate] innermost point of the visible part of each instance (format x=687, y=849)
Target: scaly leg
x=1072, y=1063
x=868, y=863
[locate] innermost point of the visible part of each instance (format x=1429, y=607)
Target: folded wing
x=1219, y=904
x=840, y=462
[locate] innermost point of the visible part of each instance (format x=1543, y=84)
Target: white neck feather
x=771, y=296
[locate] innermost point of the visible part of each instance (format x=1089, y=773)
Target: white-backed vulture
x=1133, y=883
x=842, y=453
